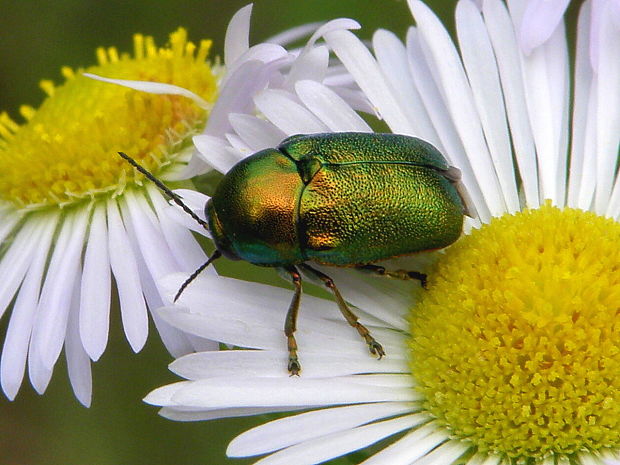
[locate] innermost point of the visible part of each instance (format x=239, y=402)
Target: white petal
x=39, y=374
x=94, y=319
x=484, y=459
x=154, y=88
x=216, y=152
x=581, y=102
x=444, y=60
x=237, y=38
x=392, y=58
x=289, y=116
x=263, y=363
x=78, y=363
x=332, y=110
x=286, y=391
x=545, y=71
x=236, y=95
x=293, y=34
x=252, y=315
x=311, y=64
x=127, y=277
x=196, y=202
x=14, y=263
x=213, y=414
x=385, y=299
x=150, y=239
x=506, y=51
x=296, y=429
x=185, y=250
x=448, y=452
x=19, y=330
x=434, y=104
x=257, y=133
x=360, y=63
x=411, y=447
x=53, y=308
x=333, y=25
x=539, y=21
x=9, y=220
x=264, y=53
x=608, y=121
x=483, y=76
x=335, y=445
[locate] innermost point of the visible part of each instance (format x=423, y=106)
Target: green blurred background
x=36, y=39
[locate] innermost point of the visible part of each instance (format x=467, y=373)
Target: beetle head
x=220, y=239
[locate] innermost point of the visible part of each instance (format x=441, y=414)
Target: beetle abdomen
x=368, y=211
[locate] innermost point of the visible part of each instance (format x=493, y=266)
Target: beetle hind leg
x=398, y=274
x=290, y=324
x=373, y=346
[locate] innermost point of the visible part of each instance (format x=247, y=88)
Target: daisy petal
x=53, y=308
x=296, y=429
x=185, y=250
x=18, y=333
x=212, y=414
x=335, y=445
x=482, y=73
x=95, y=291
x=267, y=363
x=448, y=452
x=286, y=114
x=411, y=447
x=15, y=263
x=392, y=55
x=459, y=99
x=294, y=34
x=154, y=88
x=369, y=77
x=236, y=42
x=287, y=391
x=257, y=133
x=501, y=33
x=539, y=21
x=78, y=363
x=608, y=118
x=127, y=277
x=332, y=110
x=583, y=85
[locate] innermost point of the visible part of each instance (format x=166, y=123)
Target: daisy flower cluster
x=511, y=356
x=75, y=217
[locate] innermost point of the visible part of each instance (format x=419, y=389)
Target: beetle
x=342, y=199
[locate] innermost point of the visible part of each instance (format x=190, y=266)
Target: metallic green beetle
x=343, y=199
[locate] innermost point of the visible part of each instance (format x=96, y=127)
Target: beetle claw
x=376, y=349
x=294, y=367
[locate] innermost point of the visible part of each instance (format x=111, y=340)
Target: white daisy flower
x=74, y=216
x=512, y=354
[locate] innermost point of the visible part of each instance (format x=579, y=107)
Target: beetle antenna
x=174, y=197
x=217, y=254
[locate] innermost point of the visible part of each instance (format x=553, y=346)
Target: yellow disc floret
x=66, y=151
x=516, y=346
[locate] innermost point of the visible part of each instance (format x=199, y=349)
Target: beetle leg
x=374, y=347
x=290, y=324
x=398, y=274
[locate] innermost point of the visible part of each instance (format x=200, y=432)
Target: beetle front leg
x=398, y=274
x=374, y=347
x=290, y=324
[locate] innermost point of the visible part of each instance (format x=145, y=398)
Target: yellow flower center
x=66, y=150
x=516, y=345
